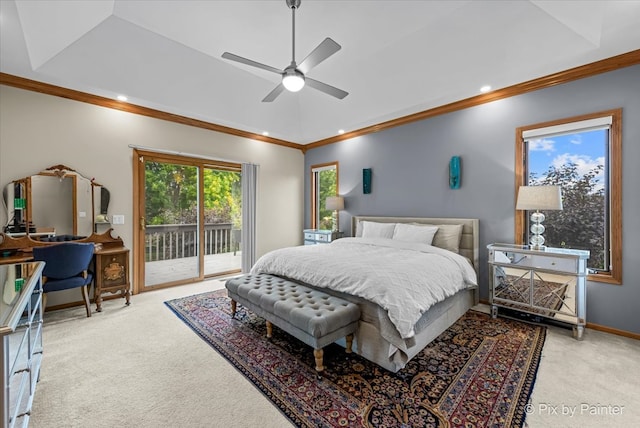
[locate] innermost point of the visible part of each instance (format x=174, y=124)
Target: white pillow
x=414, y=233
x=371, y=229
x=448, y=237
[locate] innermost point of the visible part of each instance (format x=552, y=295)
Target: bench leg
x=319, y=355
x=233, y=308
x=349, y=339
x=269, y=329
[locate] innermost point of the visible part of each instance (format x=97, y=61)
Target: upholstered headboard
x=469, y=242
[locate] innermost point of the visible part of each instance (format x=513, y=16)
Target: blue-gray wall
x=410, y=174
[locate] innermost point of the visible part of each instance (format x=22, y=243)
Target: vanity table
x=59, y=204
x=110, y=261
x=21, y=345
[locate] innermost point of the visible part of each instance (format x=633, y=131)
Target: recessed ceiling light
x=485, y=88
x=340, y=131
x=265, y=133
x=122, y=98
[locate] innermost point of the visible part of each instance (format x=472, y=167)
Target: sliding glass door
x=189, y=220
x=170, y=222
x=222, y=220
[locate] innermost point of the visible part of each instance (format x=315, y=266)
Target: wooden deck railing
x=174, y=241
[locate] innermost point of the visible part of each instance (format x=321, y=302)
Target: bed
x=391, y=333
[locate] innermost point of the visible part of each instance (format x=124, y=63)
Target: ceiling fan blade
x=323, y=51
x=252, y=63
x=273, y=94
x=327, y=89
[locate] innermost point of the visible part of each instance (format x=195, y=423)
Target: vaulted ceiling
x=397, y=57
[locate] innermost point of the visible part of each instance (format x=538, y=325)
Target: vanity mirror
x=56, y=201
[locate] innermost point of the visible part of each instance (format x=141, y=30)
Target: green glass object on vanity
x=18, y=283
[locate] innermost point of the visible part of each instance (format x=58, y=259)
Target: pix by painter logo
x=572, y=410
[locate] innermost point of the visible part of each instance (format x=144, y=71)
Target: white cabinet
x=320, y=236
x=549, y=283
x=21, y=345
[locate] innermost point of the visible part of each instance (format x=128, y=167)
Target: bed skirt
x=370, y=343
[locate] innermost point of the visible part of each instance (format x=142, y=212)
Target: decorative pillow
x=448, y=237
x=371, y=229
x=414, y=233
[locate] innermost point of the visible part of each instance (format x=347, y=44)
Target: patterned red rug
x=478, y=373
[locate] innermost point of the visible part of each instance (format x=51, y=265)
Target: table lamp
x=538, y=198
x=335, y=204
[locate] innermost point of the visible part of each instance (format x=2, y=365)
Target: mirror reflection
x=57, y=201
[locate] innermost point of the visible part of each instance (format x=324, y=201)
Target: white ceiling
x=397, y=57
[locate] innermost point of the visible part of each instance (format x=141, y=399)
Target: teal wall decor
x=366, y=180
x=454, y=172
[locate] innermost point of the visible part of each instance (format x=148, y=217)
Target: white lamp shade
x=539, y=198
x=334, y=203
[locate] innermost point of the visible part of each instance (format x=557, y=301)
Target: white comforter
x=403, y=278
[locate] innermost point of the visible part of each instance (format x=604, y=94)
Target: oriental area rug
x=478, y=373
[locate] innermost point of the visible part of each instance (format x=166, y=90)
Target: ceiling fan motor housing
x=293, y=4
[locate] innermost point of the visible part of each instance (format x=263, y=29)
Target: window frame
x=614, y=275
x=314, y=190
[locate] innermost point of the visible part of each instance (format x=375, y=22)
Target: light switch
x=118, y=219
x=82, y=214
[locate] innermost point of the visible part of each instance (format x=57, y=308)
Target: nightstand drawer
x=548, y=263
x=309, y=236
x=323, y=237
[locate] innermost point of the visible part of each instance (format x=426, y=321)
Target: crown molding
x=610, y=64
x=59, y=91
x=603, y=66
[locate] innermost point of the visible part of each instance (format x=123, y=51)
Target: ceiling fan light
x=293, y=80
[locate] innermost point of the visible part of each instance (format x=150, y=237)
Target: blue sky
x=585, y=149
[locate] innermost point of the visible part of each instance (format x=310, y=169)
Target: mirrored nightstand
x=549, y=283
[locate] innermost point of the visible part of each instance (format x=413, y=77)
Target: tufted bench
x=314, y=317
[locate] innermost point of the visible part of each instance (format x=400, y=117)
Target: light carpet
x=140, y=366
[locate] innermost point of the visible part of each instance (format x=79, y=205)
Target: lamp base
x=536, y=240
x=537, y=247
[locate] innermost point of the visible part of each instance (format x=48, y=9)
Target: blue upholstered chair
x=67, y=266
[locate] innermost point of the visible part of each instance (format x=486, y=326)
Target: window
x=582, y=155
x=324, y=182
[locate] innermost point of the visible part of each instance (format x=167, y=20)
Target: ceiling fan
x=294, y=76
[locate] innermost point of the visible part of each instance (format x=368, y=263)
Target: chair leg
x=85, y=296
